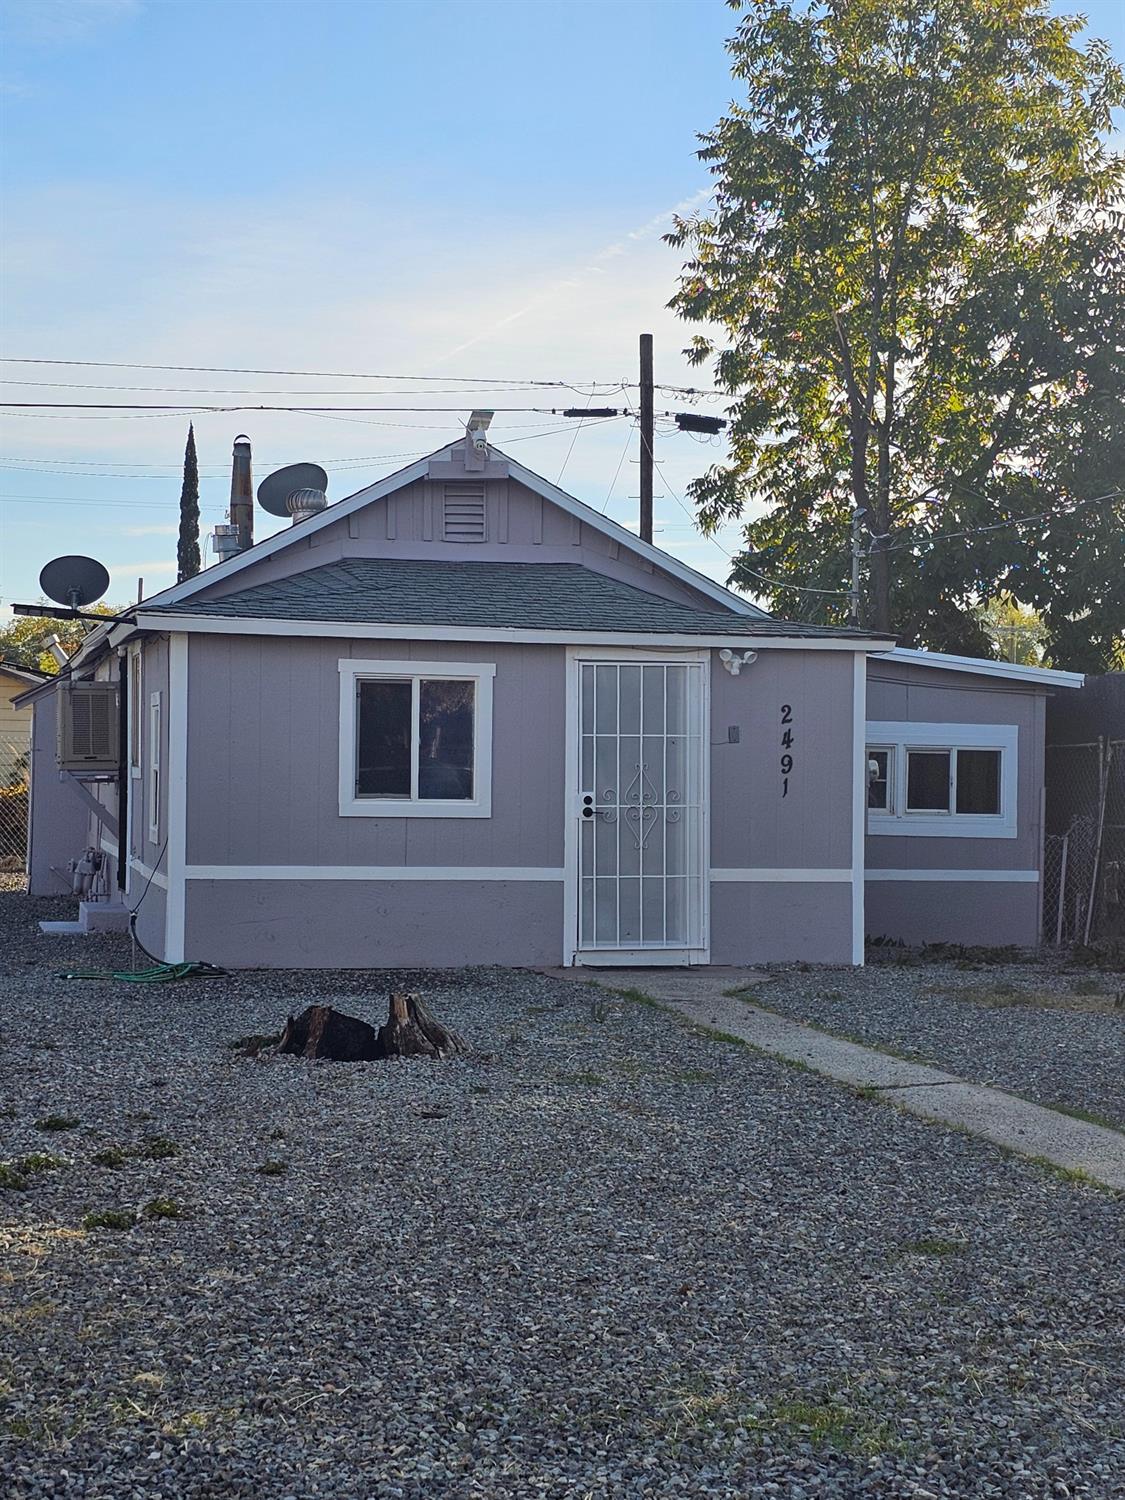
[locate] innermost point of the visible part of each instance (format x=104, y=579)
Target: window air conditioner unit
x=88, y=727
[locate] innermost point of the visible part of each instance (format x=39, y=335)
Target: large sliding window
x=942, y=780
x=415, y=739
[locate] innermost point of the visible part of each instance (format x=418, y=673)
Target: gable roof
x=491, y=595
x=723, y=597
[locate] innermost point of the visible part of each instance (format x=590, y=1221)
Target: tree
x=23, y=640
x=1015, y=632
x=916, y=268
x=187, y=547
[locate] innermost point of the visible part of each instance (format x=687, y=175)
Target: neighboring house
x=15, y=721
x=15, y=735
x=462, y=718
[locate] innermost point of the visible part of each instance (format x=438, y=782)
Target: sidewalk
x=700, y=996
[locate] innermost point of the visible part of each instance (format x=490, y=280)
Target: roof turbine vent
x=297, y=491
x=302, y=504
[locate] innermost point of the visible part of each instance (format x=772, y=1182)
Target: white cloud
x=170, y=530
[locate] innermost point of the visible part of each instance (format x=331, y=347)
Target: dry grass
x=1080, y=996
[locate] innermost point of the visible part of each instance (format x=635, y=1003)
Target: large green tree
x=913, y=286
x=24, y=638
x=188, y=560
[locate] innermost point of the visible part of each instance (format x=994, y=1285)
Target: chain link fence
x=14, y=758
x=1084, y=846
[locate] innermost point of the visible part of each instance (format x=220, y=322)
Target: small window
x=463, y=513
x=978, y=781
x=154, y=769
x=135, y=711
x=879, y=768
x=415, y=739
x=927, y=780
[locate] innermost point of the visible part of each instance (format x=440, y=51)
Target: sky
x=429, y=188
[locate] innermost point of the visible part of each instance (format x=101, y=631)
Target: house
x=15, y=732
x=462, y=718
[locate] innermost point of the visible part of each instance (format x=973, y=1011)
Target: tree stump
x=321, y=1031
x=411, y=1031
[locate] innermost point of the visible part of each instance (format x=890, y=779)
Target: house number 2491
x=786, y=747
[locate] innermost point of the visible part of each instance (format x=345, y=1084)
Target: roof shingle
x=493, y=595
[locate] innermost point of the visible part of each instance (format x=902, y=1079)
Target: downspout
x=123, y=847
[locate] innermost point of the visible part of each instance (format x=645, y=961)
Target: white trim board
x=374, y=872
x=420, y=470
x=372, y=630
x=956, y=877
x=176, y=837
x=767, y=876
x=859, y=805
x=146, y=872
x=1045, y=677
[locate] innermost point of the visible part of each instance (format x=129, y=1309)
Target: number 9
x=786, y=764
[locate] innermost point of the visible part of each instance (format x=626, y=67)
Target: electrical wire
x=1046, y=515
x=617, y=471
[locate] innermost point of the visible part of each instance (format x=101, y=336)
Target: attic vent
x=463, y=513
x=88, y=727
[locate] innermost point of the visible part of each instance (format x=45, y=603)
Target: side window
x=153, y=791
x=136, y=711
x=880, y=769
x=927, y=780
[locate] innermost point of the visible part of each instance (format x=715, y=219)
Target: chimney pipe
x=242, y=493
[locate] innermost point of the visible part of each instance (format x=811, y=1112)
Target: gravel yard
x=617, y=1260
x=991, y=1023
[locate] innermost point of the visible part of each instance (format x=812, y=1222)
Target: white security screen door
x=641, y=811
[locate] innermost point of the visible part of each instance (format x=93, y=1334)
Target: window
x=880, y=763
x=154, y=768
x=463, y=513
x=927, y=780
x=943, y=780
x=415, y=739
x=135, y=712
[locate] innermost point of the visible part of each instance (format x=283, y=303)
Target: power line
x=1045, y=515
x=581, y=387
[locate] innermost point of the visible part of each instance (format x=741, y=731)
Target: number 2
x=786, y=713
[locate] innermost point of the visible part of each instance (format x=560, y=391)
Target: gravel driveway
x=978, y=1020
x=618, y=1260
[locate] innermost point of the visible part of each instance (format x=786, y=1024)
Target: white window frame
x=892, y=779
x=899, y=737
x=152, y=782
x=352, y=673
x=134, y=713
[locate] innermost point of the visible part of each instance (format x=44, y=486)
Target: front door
x=641, y=812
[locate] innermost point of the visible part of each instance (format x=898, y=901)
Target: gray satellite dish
x=74, y=581
x=276, y=488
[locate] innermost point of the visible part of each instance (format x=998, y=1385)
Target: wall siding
x=58, y=826
x=263, y=790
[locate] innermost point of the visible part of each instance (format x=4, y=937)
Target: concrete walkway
x=700, y=996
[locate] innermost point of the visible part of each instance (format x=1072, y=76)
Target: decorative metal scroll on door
x=640, y=840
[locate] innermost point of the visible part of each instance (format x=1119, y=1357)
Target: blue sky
x=427, y=188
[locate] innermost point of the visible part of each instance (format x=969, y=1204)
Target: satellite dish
x=275, y=489
x=74, y=581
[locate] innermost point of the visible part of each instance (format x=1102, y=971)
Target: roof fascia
x=372, y=630
x=981, y=665
x=418, y=470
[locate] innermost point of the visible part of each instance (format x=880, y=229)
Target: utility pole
x=646, y=437
x=855, y=594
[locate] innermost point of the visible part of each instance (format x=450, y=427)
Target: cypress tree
x=187, y=548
